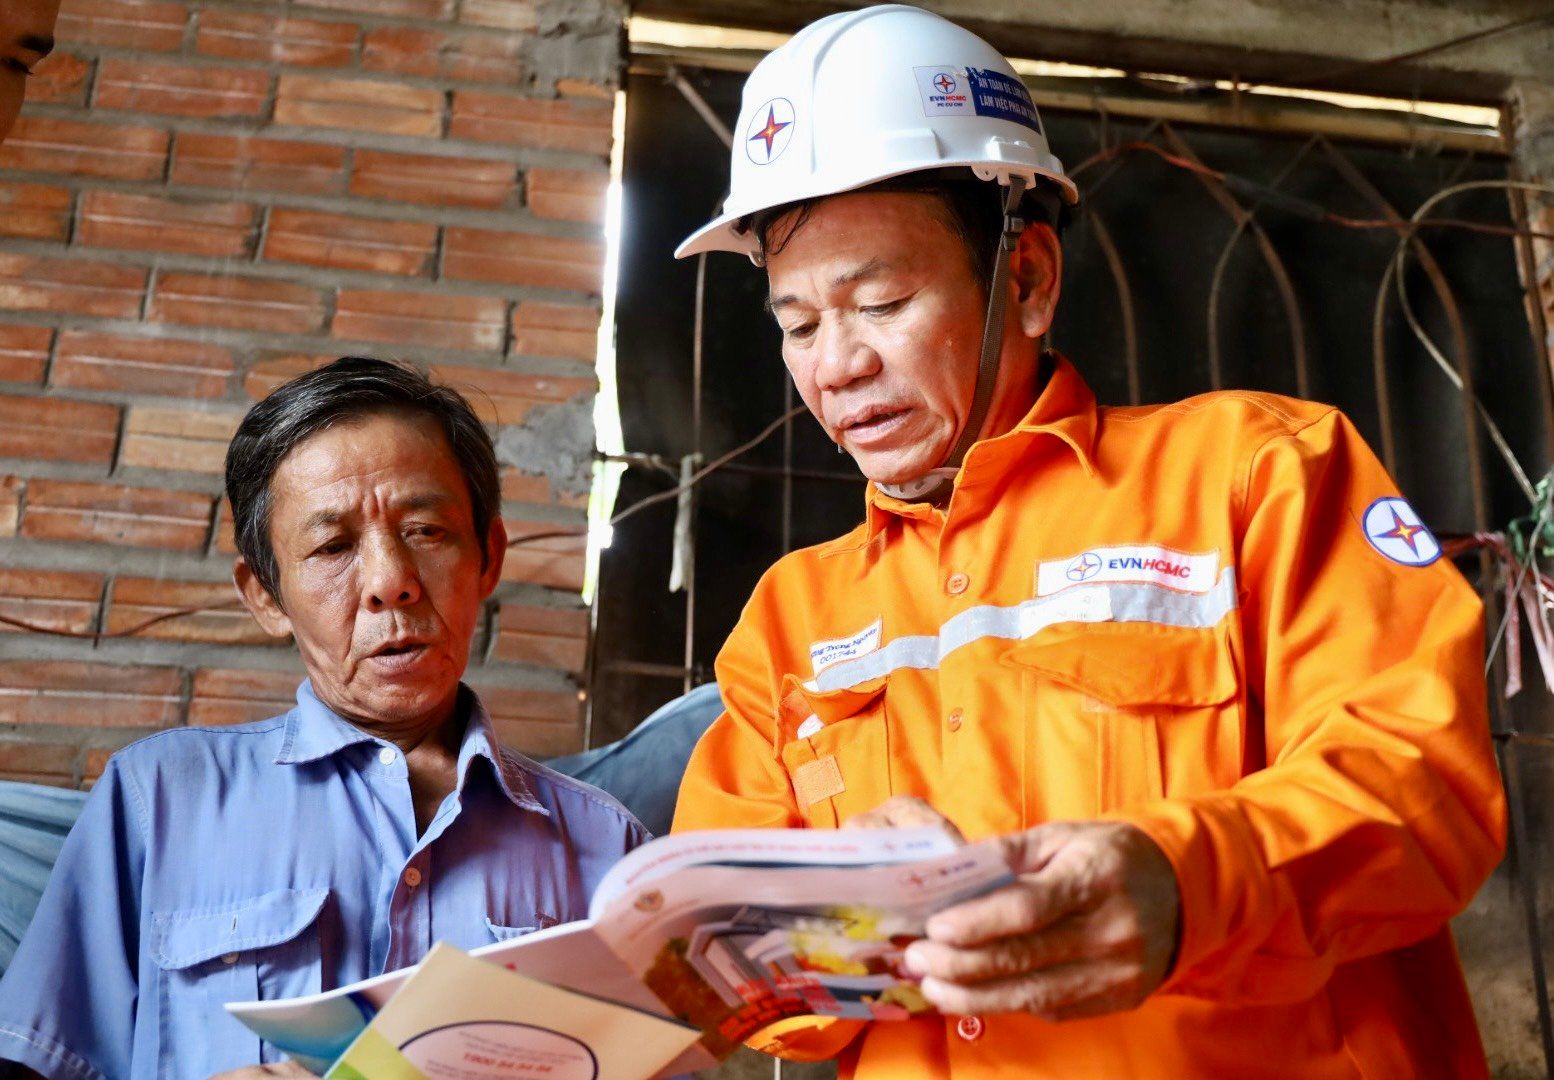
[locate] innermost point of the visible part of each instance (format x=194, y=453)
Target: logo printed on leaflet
x=1133, y=564
x=822, y=654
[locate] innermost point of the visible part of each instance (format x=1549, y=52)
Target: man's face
x=881, y=327
x=379, y=568
x=26, y=36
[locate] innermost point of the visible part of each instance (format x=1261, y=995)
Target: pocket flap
x=799, y=703
x=1127, y=664
x=185, y=938
x=507, y=933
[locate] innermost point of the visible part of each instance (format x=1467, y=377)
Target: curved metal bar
x=1130, y=335
x=1276, y=267
x=1216, y=369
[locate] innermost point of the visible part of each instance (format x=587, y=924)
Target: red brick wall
x=203, y=198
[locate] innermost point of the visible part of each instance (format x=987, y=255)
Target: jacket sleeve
x=68, y=1000
x=1378, y=809
x=736, y=780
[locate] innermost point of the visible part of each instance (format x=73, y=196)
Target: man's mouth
x=399, y=654
x=872, y=422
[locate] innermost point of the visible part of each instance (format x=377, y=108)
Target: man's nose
x=389, y=578
x=845, y=357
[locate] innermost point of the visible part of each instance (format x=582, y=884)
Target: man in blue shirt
x=344, y=838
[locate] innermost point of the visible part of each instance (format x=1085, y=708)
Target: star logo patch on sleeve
x=1396, y=531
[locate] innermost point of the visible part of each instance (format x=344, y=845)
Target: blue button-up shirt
x=275, y=859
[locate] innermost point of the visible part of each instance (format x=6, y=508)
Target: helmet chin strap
x=936, y=483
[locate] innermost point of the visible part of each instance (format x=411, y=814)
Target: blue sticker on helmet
x=995, y=94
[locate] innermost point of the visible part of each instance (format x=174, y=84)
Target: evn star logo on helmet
x=769, y=131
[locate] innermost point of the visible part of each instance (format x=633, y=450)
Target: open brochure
x=725, y=931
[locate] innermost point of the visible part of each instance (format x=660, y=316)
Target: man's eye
x=882, y=309
x=428, y=532
x=798, y=333
x=332, y=547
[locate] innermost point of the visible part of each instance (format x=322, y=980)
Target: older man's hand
x=1088, y=928
x=903, y=812
x=289, y=1069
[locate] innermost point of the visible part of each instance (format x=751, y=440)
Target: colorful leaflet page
x=459, y=1018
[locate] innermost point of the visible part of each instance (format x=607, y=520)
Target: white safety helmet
x=866, y=95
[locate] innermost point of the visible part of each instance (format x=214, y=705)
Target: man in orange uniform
x=1199, y=666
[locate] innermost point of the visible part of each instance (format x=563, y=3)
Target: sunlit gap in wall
x=607, y=407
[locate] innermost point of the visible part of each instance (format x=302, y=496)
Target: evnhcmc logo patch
x=1397, y=532
x=769, y=131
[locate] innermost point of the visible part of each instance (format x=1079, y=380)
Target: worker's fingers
x=1073, y=938
x=1024, y=907
x=903, y=812
x=1053, y=992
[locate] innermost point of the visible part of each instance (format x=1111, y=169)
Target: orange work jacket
x=1214, y=620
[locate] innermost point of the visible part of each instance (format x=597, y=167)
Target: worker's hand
x=903, y=812
x=1088, y=928
x=288, y=1069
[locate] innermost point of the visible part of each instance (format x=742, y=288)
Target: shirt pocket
x=499, y=932
x=261, y=949
x=836, y=750
x=1120, y=714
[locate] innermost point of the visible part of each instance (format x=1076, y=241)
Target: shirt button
x=229, y=958
x=387, y=756
x=412, y=877
x=954, y=719
x=970, y=1028
x=956, y=583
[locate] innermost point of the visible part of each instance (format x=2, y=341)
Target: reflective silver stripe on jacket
x=1125, y=603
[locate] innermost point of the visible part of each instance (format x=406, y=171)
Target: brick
x=274, y=370
x=520, y=486
x=145, y=25
x=249, y=163
x=517, y=15
x=389, y=108
x=569, y=331
x=61, y=78
x=505, y=397
x=474, y=323
x=545, y=637
x=585, y=88
x=278, y=307
x=567, y=194
x=582, y=126
x=113, y=219
x=350, y=242
x=88, y=695
x=34, y=211
x=388, y=9
x=57, y=760
x=53, y=429
x=93, y=765
x=10, y=504
x=556, y=561
x=56, y=599
x=553, y=262
x=136, y=600
x=181, y=439
x=226, y=537
x=437, y=181
x=275, y=39
x=24, y=353
x=73, y=286
x=134, y=365
x=438, y=54
x=541, y=723
x=181, y=89
x=109, y=514
x=107, y=151
x=234, y=696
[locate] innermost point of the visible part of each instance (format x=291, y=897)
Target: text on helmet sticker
x=1395, y=529
x=769, y=131
x=1134, y=563
x=976, y=92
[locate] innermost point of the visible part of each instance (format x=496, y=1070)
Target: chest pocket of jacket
x=841, y=764
x=1122, y=713
x=260, y=949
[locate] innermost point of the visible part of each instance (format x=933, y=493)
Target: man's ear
x=265, y=609
x=496, y=554
x=1036, y=270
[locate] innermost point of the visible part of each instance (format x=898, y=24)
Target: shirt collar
x=1065, y=408
x=315, y=731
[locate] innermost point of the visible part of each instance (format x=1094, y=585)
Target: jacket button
x=956, y=584
x=970, y=1028
x=229, y=958
x=412, y=877
x=953, y=720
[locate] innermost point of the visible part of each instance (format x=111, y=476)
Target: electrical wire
x=517, y=541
